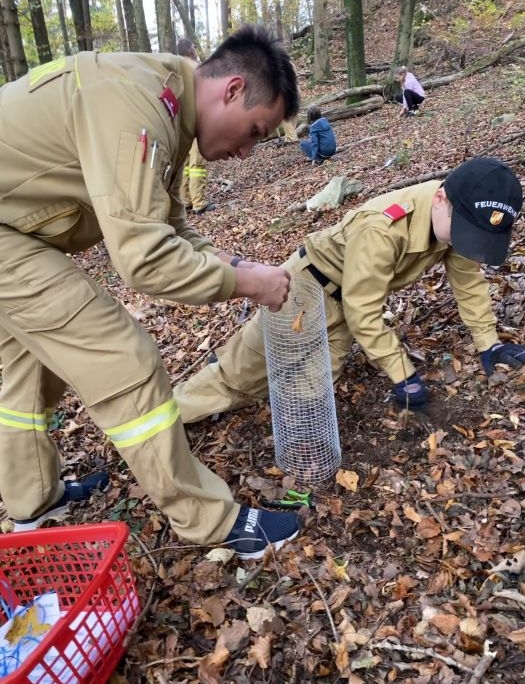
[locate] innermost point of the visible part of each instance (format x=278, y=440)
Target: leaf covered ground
x=412, y=565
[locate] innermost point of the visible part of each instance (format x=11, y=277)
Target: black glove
x=511, y=354
x=413, y=388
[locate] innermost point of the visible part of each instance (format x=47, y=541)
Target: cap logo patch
x=496, y=218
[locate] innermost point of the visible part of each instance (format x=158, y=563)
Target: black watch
x=235, y=261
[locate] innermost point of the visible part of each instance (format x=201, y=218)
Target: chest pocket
x=44, y=73
x=139, y=180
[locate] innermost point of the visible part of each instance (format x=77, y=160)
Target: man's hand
x=411, y=392
x=266, y=285
x=511, y=354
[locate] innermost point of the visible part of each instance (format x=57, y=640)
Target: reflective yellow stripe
x=77, y=75
x=40, y=72
x=141, y=429
x=186, y=171
x=22, y=420
x=198, y=173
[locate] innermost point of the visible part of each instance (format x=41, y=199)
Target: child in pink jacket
x=412, y=93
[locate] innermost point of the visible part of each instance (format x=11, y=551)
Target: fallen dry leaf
x=347, y=479
x=261, y=651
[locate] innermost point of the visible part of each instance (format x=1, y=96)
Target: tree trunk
x=131, y=26
x=7, y=60
x=225, y=18
x=63, y=27
x=142, y=29
x=164, y=26
x=265, y=15
x=355, y=45
x=78, y=22
x=279, y=19
x=207, y=13
x=14, y=37
x=38, y=23
x=362, y=107
x=404, y=33
x=88, y=31
x=188, y=27
x=121, y=27
x=321, y=67
x=191, y=13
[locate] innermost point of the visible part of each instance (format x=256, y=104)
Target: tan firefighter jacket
x=370, y=254
x=89, y=152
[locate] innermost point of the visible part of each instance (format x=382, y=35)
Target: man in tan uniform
x=381, y=247
x=93, y=148
x=193, y=186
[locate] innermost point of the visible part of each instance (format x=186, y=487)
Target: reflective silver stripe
x=141, y=429
x=23, y=420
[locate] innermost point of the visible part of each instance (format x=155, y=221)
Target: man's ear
x=234, y=88
x=440, y=197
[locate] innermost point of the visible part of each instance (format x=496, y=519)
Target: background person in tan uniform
x=193, y=186
x=381, y=247
x=104, y=160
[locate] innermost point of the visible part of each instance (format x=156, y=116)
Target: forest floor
x=406, y=571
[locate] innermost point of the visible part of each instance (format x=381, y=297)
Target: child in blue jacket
x=322, y=144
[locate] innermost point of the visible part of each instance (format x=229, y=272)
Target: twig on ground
x=325, y=604
x=483, y=664
x=147, y=552
x=141, y=616
x=250, y=577
x=474, y=495
x=432, y=310
x=417, y=651
x=176, y=659
x=187, y=371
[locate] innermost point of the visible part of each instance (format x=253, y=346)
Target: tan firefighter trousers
x=193, y=187
x=240, y=378
x=58, y=327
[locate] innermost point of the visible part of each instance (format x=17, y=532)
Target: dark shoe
x=208, y=207
x=255, y=530
x=75, y=491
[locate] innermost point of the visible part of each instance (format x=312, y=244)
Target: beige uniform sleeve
x=370, y=259
x=177, y=219
x=471, y=291
x=126, y=185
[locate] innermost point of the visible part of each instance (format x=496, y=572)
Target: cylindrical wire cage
x=302, y=399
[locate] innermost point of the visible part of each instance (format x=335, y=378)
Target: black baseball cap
x=486, y=199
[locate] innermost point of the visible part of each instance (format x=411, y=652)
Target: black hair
x=254, y=53
x=185, y=47
x=313, y=112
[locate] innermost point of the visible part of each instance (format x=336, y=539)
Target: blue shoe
x=209, y=207
x=255, y=530
x=75, y=491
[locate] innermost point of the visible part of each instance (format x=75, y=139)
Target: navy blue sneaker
x=75, y=491
x=209, y=207
x=255, y=529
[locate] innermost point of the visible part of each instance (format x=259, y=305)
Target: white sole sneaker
x=255, y=555
x=53, y=514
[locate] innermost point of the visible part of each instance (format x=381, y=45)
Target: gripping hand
x=410, y=392
x=511, y=354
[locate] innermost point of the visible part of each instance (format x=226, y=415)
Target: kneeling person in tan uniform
x=105, y=162
x=381, y=247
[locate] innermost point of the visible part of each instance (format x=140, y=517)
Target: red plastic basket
x=87, y=567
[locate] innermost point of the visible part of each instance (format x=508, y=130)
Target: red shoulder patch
x=395, y=212
x=168, y=99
